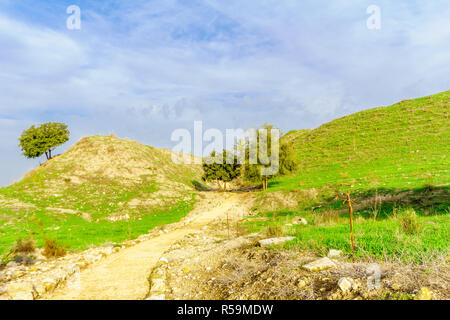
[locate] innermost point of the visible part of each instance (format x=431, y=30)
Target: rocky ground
x=221, y=262
x=20, y=281
x=218, y=260
x=28, y=282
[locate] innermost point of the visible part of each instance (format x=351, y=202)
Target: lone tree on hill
x=35, y=141
x=287, y=162
x=216, y=168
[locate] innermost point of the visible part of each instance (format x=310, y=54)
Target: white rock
x=20, y=290
x=318, y=265
x=158, y=285
x=299, y=220
x=164, y=259
x=39, y=288
x=11, y=264
x=49, y=284
x=274, y=241
x=345, y=285
x=334, y=253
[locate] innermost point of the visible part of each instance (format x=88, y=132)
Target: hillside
x=393, y=161
x=403, y=145
x=101, y=189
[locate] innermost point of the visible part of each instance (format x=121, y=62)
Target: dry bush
x=24, y=246
x=53, y=249
x=274, y=230
x=409, y=222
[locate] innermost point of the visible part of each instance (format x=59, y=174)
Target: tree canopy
x=263, y=144
x=35, y=141
x=216, y=168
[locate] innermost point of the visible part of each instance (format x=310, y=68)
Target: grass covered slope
x=403, y=145
x=394, y=162
x=102, y=189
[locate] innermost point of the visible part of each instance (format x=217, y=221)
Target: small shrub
x=274, y=230
x=111, y=149
x=409, y=222
x=24, y=246
x=53, y=249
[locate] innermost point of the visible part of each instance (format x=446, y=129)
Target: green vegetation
x=222, y=167
x=394, y=162
x=103, y=189
x=401, y=146
x=36, y=141
x=263, y=145
x=386, y=238
x=79, y=233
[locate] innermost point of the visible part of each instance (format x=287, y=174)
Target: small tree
x=35, y=141
x=216, y=168
x=287, y=163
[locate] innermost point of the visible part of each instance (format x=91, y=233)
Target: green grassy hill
x=403, y=145
x=395, y=163
x=102, y=189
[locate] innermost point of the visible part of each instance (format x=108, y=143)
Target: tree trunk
x=46, y=154
x=264, y=183
x=50, y=153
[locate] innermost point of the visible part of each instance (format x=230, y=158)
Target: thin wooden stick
x=350, y=211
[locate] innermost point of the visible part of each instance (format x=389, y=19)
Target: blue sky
x=141, y=69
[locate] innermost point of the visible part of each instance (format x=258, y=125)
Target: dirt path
x=124, y=275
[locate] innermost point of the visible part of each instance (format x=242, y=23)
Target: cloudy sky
x=141, y=69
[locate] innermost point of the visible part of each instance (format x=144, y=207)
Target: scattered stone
x=11, y=264
x=20, y=290
x=424, y=294
x=334, y=253
x=163, y=259
x=49, y=284
x=274, y=241
x=39, y=288
x=319, y=265
x=299, y=220
x=158, y=281
x=345, y=285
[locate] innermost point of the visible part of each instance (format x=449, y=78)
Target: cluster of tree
x=217, y=168
x=252, y=171
x=35, y=141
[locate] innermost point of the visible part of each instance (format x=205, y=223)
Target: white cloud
x=144, y=68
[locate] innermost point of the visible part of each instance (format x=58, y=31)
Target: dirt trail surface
x=124, y=275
